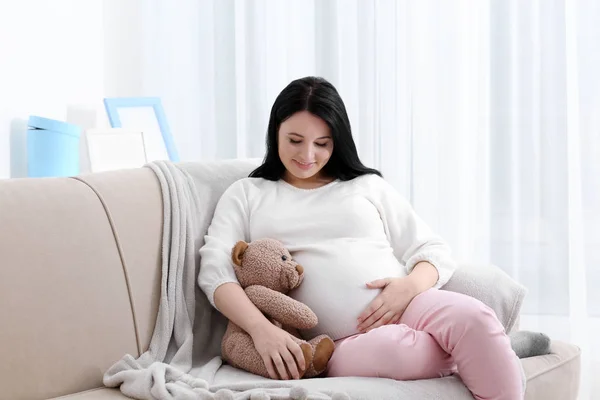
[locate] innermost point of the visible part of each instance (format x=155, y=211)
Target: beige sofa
x=69, y=309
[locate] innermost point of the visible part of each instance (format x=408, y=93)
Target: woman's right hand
x=279, y=351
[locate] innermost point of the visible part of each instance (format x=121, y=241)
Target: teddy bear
x=267, y=273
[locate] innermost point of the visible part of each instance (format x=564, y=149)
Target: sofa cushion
x=554, y=376
x=492, y=286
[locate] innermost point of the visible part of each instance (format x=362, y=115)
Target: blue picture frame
x=112, y=104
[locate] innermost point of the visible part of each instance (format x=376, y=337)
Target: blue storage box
x=52, y=148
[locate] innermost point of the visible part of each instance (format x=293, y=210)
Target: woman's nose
x=308, y=154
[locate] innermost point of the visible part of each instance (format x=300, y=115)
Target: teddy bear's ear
x=238, y=252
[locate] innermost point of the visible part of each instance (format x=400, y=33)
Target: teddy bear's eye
x=284, y=258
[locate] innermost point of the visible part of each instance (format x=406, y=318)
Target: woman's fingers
x=270, y=367
x=371, y=308
x=298, y=355
x=290, y=363
x=376, y=316
x=387, y=318
x=279, y=366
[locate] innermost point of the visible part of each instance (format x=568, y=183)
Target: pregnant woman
x=372, y=266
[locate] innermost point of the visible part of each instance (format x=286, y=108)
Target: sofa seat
x=96, y=394
x=548, y=377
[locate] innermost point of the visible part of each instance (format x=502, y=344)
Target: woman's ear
x=238, y=252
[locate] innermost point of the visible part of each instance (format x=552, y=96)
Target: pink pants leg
x=440, y=330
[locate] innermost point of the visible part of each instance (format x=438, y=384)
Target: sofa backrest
x=79, y=278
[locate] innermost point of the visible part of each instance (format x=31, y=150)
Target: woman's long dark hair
x=320, y=98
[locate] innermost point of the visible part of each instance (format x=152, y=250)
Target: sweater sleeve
x=228, y=226
x=411, y=238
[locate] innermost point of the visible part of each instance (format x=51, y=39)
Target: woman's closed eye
x=292, y=141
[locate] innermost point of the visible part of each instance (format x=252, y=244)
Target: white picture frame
x=144, y=114
x=113, y=149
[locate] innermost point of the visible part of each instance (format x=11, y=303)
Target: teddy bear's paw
x=224, y=394
x=298, y=393
x=260, y=396
x=340, y=396
x=323, y=353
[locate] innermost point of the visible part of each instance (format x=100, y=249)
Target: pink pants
x=440, y=331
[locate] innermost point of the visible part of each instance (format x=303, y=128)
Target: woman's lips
x=303, y=165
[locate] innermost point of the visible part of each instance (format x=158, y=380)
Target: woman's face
x=305, y=145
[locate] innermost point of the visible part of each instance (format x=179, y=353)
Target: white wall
x=123, y=48
x=51, y=64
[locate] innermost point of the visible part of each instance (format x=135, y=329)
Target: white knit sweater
x=344, y=234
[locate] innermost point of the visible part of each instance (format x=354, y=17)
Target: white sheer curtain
x=545, y=181
x=485, y=114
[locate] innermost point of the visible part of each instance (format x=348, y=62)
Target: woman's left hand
x=389, y=305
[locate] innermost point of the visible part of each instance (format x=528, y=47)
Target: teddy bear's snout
x=292, y=278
